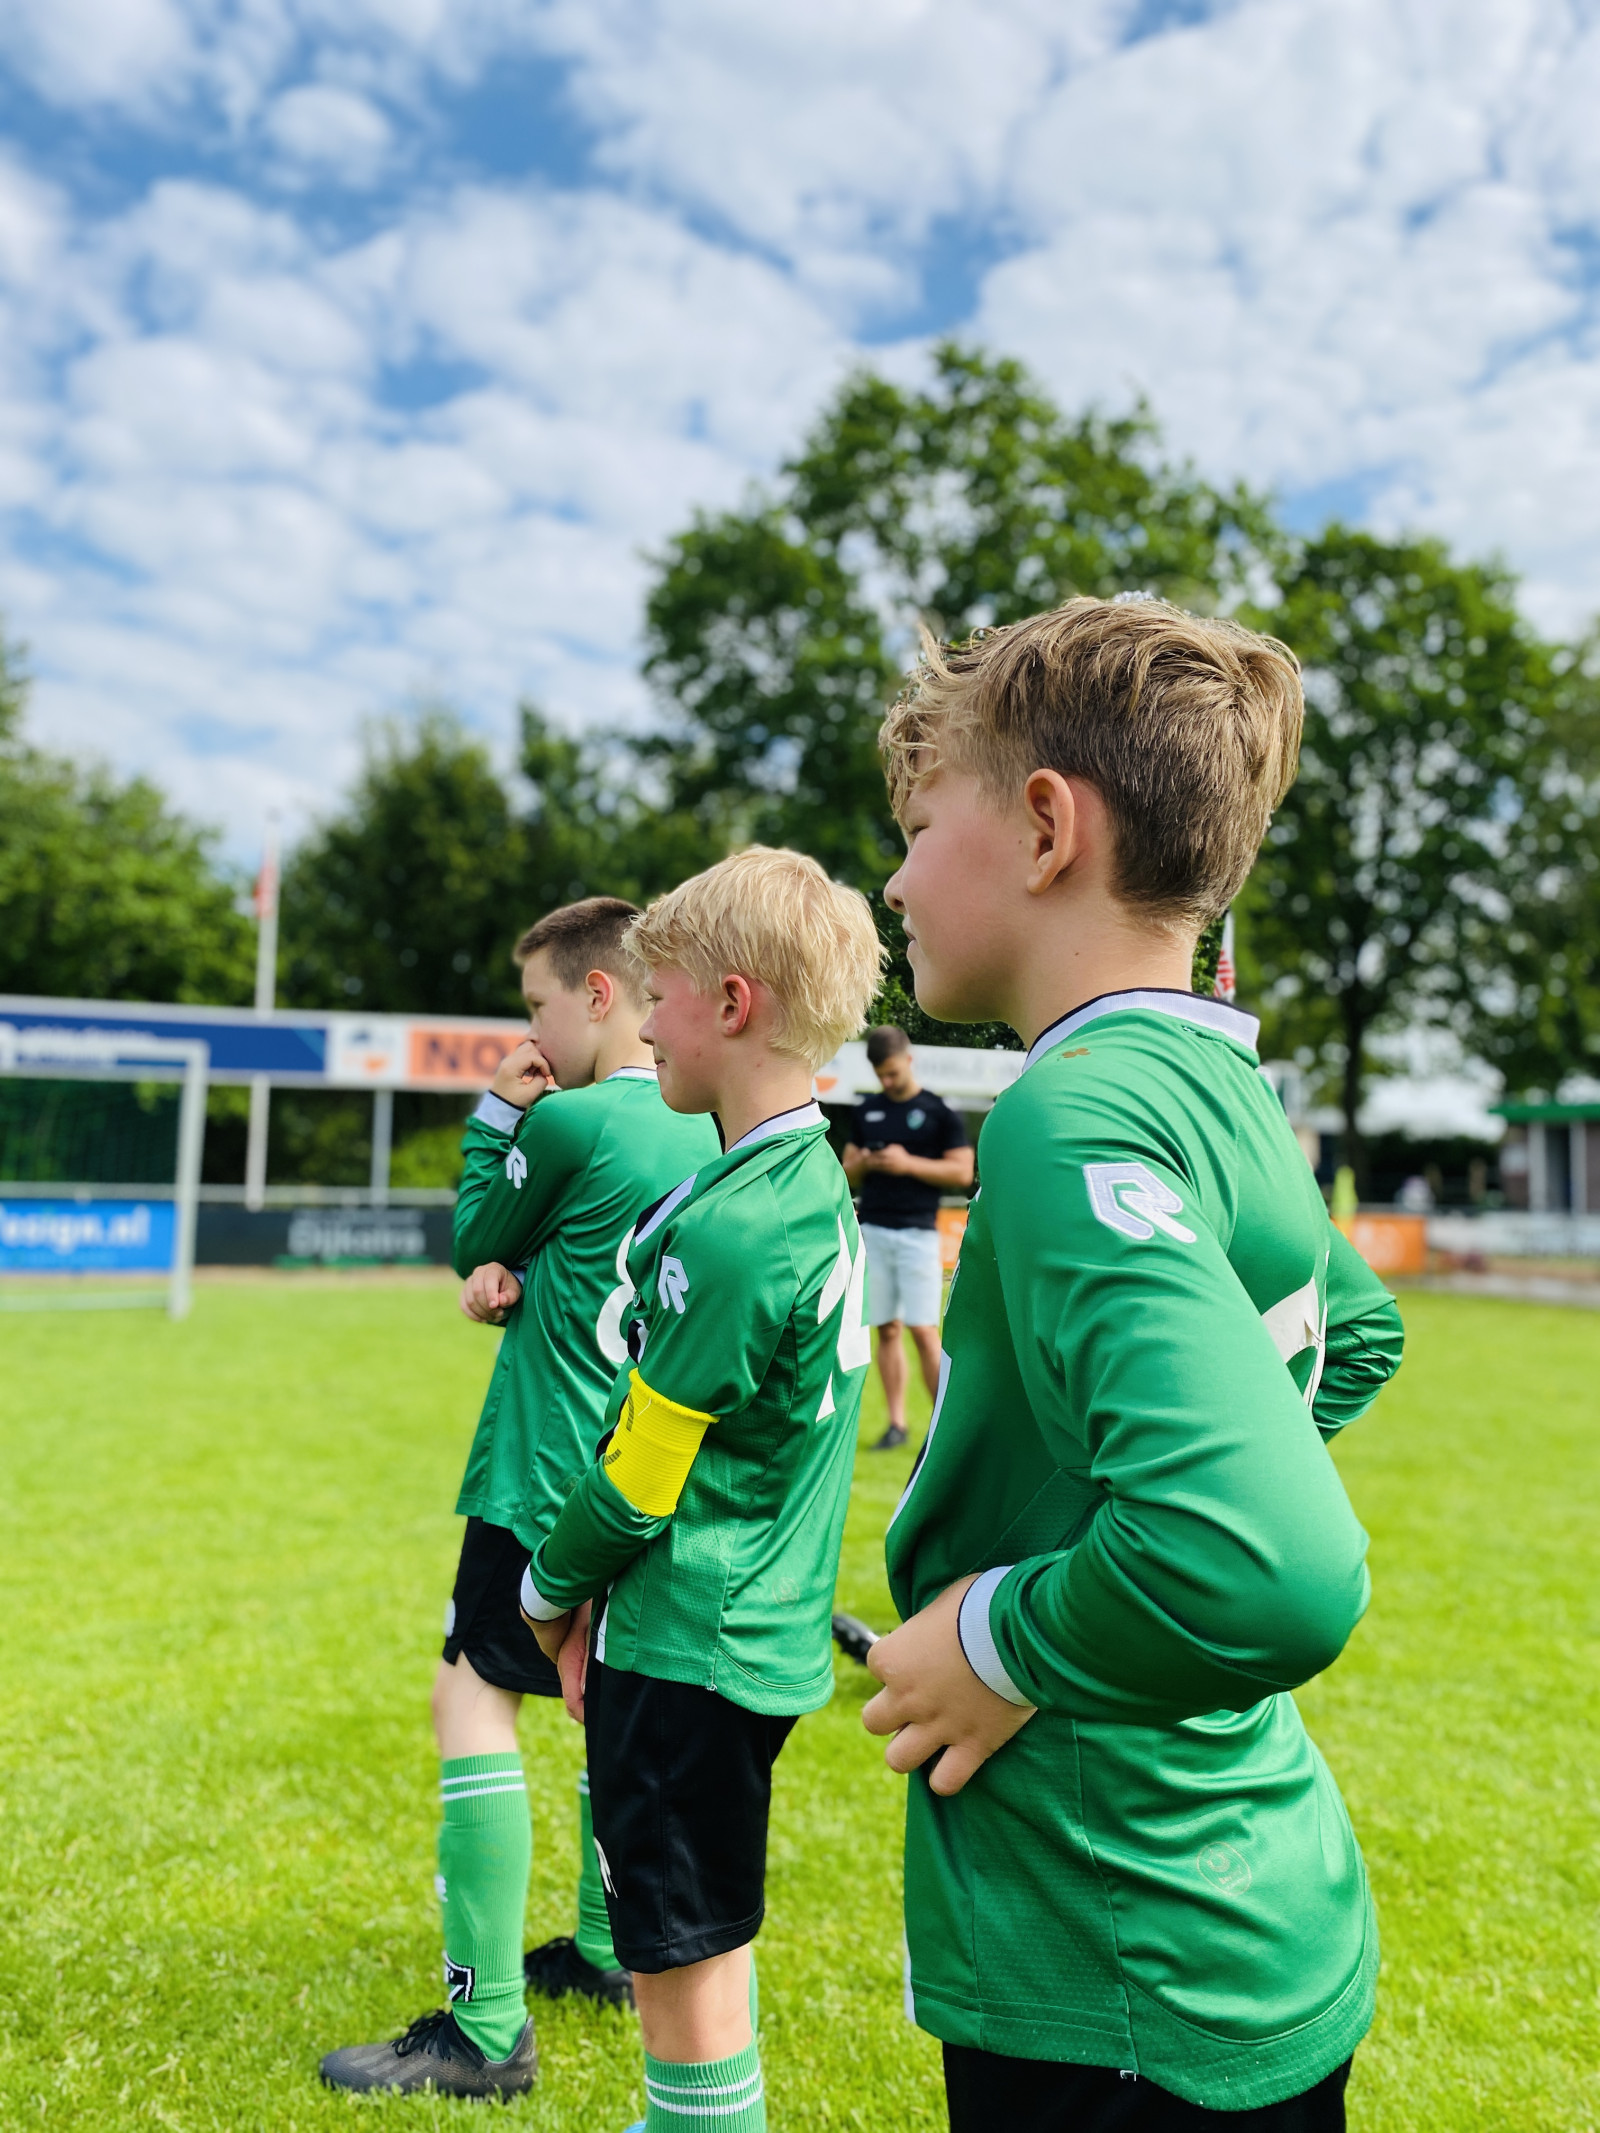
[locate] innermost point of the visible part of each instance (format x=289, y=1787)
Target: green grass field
x=226, y=1549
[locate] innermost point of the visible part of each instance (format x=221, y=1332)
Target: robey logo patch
x=1132, y=1200
x=672, y=1283
x=516, y=1167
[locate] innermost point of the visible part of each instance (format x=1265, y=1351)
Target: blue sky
x=353, y=354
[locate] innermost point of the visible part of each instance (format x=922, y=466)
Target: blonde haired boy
x=1133, y=1897
x=709, y=1530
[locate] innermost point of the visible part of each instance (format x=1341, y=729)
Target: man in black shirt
x=906, y=1148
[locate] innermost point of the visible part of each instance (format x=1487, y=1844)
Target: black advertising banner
x=323, y=1236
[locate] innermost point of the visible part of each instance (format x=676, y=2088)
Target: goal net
x=100, y=1141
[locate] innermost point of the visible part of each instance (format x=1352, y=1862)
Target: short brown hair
x=591, y=935
x=775, y=916
x=1187, y=727
x=884, y=1042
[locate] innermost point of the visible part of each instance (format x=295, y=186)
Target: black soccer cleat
x=892, y=1439
x=853, y=1637
x=435, y=2053
x=557, y=1967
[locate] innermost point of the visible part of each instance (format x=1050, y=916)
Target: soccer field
x=226, y=1550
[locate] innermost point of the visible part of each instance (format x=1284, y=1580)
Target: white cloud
x=330, y=132
x=1342, y=244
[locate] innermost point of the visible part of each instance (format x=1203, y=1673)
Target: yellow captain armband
x=652, y=1449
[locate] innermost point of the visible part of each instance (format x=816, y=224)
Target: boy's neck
x=1123, y=959
x=621, y=1047
x=759, y=1090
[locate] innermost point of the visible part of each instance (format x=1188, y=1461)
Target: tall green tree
x=775, y=634
x=106, y=892
x=407, y=900
x=1416, y=837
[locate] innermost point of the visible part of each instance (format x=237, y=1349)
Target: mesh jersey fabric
x=559, y=1197
x=748, y=1305
x=1152, y=1328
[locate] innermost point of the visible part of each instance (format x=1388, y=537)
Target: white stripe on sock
x=702, y=2110
x=477, y=1792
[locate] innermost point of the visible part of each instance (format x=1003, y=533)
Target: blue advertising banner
x=85, y=1236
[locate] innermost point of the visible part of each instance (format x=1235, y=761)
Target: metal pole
x=186, y=1185
x=382, y=1141
x=266, y=901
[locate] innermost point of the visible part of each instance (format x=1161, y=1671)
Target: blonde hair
x=1188, y=728
x=774, y=916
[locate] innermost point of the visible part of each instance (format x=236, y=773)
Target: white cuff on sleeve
x=536, y=1608
x=977, y=1638
x=495, y=1112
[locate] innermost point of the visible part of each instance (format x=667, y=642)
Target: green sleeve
x=514, y=1182
x=1364, y=1339
x=715, y=1299
x=593, y=1541
x=1222, y=1561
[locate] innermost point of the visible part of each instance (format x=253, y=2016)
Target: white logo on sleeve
x=672, y=1283
x=1129, y=1198
x=516, y=1167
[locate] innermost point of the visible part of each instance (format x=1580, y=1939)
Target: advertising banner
x=323, y=1236
x=85, y=1236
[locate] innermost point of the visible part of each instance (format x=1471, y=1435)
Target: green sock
x=485, y=1847
x=717, y=2096
x=593, y=1936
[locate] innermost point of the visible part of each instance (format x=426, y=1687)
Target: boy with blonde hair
x=1133, y=1897
x=708, y=1533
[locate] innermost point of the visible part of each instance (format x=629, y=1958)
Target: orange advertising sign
x=446, y=1056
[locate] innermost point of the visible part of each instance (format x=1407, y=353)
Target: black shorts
x=991, y=2094
x=680, y=1784
x=484, y=1620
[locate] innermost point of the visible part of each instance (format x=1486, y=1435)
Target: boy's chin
x=947, y=999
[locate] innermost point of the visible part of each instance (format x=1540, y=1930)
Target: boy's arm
x=1365, y=1336
x=721, y=1296
x=518, y=1166
x=1222, y=1562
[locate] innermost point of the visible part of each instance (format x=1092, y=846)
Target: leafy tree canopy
x=105, y=892
x=1420, y=840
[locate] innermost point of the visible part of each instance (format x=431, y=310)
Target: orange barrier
x=1390, y=1244
x=952, y=1228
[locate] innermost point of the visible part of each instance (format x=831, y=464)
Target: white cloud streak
x=1347, y=247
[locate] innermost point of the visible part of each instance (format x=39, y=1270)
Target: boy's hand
x=489, y=1292
x=893, y=1158
x=572, y=1662
x=931, y=1700
x=523, y=1076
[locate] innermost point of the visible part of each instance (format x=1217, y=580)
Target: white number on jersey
x=608, y=1334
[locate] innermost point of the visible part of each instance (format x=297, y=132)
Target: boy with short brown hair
x=1133, y=1897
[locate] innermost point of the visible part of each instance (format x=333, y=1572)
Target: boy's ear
x=602, y=990
x=734, y=1004
x=1054, y=828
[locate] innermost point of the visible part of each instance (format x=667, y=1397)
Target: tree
x=1386, y=891
x=106, y=892
x=775, y=634
x=407, y=900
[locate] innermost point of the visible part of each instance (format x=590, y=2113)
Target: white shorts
x=905, y=1275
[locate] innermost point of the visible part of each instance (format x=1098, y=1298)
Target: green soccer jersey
x=555, y=1191
x=1152, y=1331
x=748, y=1307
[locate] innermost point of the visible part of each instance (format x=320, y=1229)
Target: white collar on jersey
x=632, y=1074
x=785, y=1122
x=1182, y=1006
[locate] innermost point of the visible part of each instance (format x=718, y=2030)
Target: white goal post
x=38, y=1238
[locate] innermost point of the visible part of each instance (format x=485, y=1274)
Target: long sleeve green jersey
x=748, y=1312
x=1153, y=1329
x=555, y=1192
